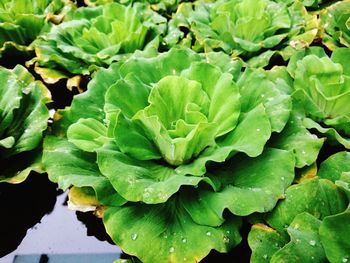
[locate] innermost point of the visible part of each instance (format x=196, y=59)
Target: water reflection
x=22, y=206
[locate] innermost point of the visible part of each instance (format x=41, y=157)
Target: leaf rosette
x=335, y=25
x=251, y=30
x=21, y=22
x=23, y=118
x=161, y=144
x=94, y=37
x=324, y=91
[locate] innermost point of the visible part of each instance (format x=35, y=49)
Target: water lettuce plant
x=166, y=162
x=93, y=37
x=21, y=22
x=248, y=29
x=335, y=25
x=23, y=118
x=324, y=91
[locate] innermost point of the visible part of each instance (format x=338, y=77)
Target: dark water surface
x=34, y=219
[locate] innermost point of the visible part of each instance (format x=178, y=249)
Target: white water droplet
x=345, y=259
x=134, y=236
x=184, y=240
x=228, y=232
x=312, y=257
x=258, y=130
x=172, y=249
x=303, y=152
x=282, y=178
x=208, y=233
x=265, y=256
x=262, y=95
x=226, y=240
x=312, y=242
x=297, y=240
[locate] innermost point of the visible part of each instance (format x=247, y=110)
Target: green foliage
x=21, y=22
x=94, y=37
x=248, y=29
x=155, y=132
x=324, y=91
x=23, y=118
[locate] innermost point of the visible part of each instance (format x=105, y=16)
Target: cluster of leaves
x=198, y=116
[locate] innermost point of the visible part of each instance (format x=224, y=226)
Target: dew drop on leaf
x=134, y=236
x=345, y=259
x=208, y=233
x=226, y=240
x=184, y=240
x=312, y=242
x=172, y=249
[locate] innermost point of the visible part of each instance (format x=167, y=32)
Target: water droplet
x=312, y=257
x=312, y=242
x=262, y=95
x=297, y=240
x=228, y=232
x=208, y=233
x=303, y=152
x=165, y=236
x=226, y=240
x=185, y=259
x=265, y=256
x=134, y=236
x=345, y=259
x=282, y=178
x=172, y=249
x=258, y=130
x=184, y=240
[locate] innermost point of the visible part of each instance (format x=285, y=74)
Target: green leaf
x=297, y=139
x=319, y=197
x=305, y=244
x=248, y=185
x=144, y=181
x=264, y=242
x=333, y=167
x=332, y=232
x=67, y=165
x=88, y=134
x=166, y=232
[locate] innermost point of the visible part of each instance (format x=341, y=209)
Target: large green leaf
x=166, y=232
x=296, y=138
x=332, y=231
x=67, y=165
x=144, y=181
x=305, y=244
x=248, y=185
x=319, y=197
